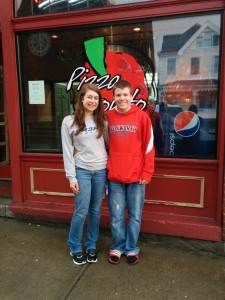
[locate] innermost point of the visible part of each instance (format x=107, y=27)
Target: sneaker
x=92, y=256
x=78, y=258
x=132, y=259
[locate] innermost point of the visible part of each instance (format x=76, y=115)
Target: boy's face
x=122, y=98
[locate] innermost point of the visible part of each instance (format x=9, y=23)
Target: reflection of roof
x=174, y=42
x=192, y=83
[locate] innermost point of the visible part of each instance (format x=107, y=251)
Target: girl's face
x=90, y=101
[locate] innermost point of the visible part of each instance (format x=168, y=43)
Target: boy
x=130, y=168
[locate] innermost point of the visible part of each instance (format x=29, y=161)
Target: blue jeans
x=121, y=194
x=87, y=202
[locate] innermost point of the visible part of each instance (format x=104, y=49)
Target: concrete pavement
x=35, y=265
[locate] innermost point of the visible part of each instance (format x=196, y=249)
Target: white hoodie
x=83, y=150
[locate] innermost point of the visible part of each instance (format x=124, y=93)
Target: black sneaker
x=79, y=258
x=92, y=256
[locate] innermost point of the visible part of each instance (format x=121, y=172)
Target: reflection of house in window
x=171, y=66
x=216, y=40
x=191, y=82
x=207, y=39
x=195, y=65
x=215, y=64
x=207, y=98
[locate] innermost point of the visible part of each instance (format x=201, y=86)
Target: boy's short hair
x=122, y=84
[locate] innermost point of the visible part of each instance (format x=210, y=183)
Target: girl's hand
x=75, y=187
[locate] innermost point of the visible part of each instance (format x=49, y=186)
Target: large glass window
x=155, y=56
x=37, y=7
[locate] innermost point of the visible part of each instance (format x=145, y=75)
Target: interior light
x=136, y=29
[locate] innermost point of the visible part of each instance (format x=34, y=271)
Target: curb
x=4, y=208
x=186, y=244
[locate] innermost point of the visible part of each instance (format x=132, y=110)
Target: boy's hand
x=143, y=181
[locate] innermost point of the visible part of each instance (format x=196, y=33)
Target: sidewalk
x=35, y=265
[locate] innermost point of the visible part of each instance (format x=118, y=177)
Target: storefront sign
x=106, y=67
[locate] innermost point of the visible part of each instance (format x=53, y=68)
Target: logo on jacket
x=130, y=128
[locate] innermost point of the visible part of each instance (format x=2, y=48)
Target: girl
x=85, y=158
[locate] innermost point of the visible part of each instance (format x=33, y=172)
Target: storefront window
x=160, y=58
x=37, y=7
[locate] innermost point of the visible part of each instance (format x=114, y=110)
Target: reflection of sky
x=178, y=26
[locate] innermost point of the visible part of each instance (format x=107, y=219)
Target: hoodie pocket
x=124, y=167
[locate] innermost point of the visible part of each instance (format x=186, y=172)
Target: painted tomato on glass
x=127, y=67
x=106, y=64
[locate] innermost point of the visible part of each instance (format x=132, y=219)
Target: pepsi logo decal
x=186, y=123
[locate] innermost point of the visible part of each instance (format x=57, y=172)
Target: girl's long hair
x=98, y=114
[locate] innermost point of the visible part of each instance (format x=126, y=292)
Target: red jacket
x=131, y=147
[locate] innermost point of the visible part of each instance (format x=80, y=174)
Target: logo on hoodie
x=129, y=128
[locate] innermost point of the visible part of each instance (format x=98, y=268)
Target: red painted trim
x=11, y=91
x=221, y=134
x=41, y=157
x=195, y=228
x=54, y=213
x=160, y=162
x=117, y=13
x=5, y=172
x=179, y=163
x=44, y=169
x=198, y=228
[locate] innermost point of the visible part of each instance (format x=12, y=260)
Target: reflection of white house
x=189, y=66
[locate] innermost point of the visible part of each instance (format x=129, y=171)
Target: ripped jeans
x=125, y=237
